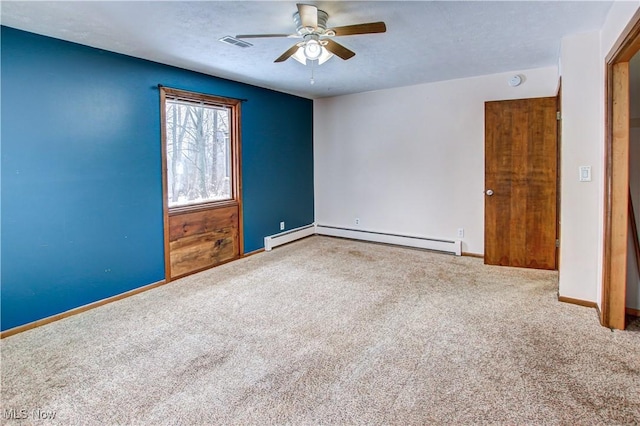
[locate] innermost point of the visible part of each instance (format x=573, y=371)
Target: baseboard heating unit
x=448, y=246
x=288, y=236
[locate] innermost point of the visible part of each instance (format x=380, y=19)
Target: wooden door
x=521, y=183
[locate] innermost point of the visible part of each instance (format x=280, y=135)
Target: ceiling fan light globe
x=312, y=50
x=299, y=56
x=326, y=55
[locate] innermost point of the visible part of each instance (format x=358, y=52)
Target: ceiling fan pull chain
x=312, y=81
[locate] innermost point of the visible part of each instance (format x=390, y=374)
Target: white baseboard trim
x=447, y=246
x=288, y=236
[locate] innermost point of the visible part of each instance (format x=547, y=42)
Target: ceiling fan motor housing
x=322, y=24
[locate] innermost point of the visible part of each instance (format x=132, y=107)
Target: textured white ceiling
x=425, y=41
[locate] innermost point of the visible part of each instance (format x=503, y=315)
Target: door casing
x=616, y=177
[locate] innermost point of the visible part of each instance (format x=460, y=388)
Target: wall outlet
x=460, y=232
x=357, y=221
x=282, y=226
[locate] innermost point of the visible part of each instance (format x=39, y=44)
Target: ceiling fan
x=317, y=43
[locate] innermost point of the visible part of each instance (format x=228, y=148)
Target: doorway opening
x=617, y=167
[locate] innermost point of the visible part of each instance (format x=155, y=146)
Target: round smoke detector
x=516, y=80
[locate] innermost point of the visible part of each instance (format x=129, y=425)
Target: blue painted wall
x=81, y=215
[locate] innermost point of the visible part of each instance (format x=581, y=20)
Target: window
x=199, y=148
x=202, y=203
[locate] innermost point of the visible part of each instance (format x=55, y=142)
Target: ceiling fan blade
x=369, y=28
x=308, y=15
x=286, y=55
x=339, y=50
x=261, y=35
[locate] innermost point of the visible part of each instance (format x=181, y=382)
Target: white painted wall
x=582, y=144
x=411, y=160
x=582, y=60
x=619, y=16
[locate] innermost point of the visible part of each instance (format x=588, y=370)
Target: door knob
x=489, y=192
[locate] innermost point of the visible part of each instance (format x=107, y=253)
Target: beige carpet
x=330, y=331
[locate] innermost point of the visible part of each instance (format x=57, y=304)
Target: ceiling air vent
x=235, y=42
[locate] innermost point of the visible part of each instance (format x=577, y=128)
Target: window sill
x=204, y=206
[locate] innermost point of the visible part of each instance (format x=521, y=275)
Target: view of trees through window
x=198, y=153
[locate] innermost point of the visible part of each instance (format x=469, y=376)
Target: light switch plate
x=585, y=173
